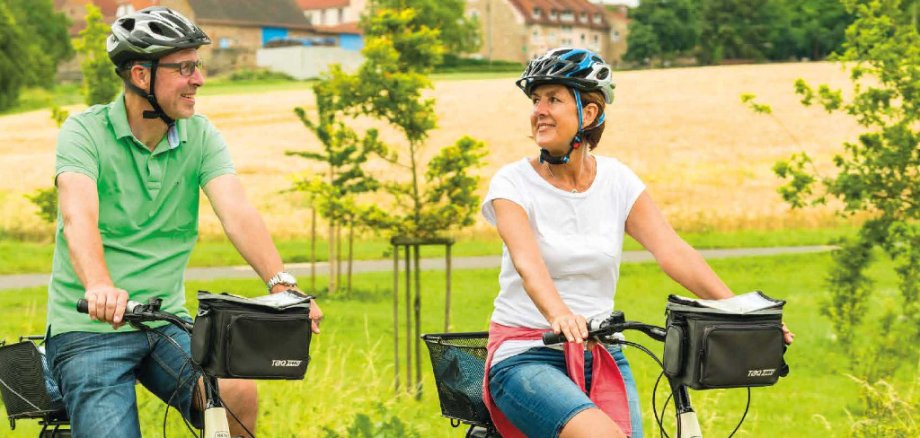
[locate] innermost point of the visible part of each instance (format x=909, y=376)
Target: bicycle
x=27, y=395
x=458, y=360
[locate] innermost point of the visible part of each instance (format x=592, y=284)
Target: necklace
x=549, y=168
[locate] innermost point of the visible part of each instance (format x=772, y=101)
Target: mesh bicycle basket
x=22, y=384
x=459, y=362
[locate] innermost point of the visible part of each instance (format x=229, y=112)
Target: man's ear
x=140, y=76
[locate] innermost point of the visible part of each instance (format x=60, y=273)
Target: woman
x=562, y=217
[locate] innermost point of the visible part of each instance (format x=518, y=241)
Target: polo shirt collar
x=118, y=118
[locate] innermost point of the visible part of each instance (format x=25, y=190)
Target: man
x=128, y=176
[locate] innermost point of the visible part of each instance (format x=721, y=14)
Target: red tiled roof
x=576, y=7
x=306, y=5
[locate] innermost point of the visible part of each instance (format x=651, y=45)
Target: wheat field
x=705, y=157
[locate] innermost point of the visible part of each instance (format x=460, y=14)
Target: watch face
x=288, y=279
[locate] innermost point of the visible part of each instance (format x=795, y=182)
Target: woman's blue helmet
x=581, y=69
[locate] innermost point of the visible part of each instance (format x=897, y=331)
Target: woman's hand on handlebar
x=574, y=327
x=107, y=304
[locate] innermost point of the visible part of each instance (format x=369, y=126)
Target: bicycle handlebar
x=137, y=313
x=615, y=323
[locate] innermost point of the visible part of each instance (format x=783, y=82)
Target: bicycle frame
x=136, y=314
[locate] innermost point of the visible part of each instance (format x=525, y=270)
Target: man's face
x=174, y=91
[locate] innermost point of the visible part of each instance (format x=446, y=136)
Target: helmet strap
x=157, y=112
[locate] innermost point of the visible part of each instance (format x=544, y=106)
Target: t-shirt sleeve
x=631, y=188
x=216, y=158
x=75, y=151
x=503, y=186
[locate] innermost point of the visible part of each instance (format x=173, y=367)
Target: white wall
x=304, y=62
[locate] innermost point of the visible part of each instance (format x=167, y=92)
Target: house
x=519, y=30
x=337, y=17
x=238, y=28
x=618, y=17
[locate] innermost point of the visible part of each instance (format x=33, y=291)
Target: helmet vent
x=603, y=73
x=128, y=24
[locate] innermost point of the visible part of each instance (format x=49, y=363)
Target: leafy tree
x=45, y=33
x=736, y=29
x=807, y=29
x=100, y=83
x=663, y=28
x=878, y=175
x=458, y=33
x=13, y=53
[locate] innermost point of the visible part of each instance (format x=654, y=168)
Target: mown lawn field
x=19, y=257
x=352, y=367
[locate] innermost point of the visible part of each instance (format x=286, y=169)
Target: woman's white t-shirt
x=580, y=236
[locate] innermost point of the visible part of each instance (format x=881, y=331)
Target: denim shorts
x=536, y=394
x=97, y=372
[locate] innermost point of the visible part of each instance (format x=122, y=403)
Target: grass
x=69, y=93
x=352, y=368
x=19, y=257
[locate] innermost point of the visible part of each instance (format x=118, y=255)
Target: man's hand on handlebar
x=316, y=314
x=107, y=304
x=574, y=327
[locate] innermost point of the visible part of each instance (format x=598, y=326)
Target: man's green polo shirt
x=148, y=207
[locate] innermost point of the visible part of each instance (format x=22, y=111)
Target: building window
x=568, y=16
x=341, y=15
x=536, y=33
x=308, y=16
x=225, y=43
x=554, y=14
x=582, y=38
x=537, y=12
x=567, y=29
x=615, y=35
x=583, y=17
x=596, y=38
x=597, y=18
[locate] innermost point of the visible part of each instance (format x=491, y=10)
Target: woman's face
x=553, y=121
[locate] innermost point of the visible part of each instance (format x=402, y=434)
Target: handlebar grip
x=82, y=305
x=550, y=338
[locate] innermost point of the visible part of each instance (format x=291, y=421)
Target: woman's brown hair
x=594, y=132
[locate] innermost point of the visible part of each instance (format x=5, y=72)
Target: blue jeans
x=97, y=373
x=536, y=394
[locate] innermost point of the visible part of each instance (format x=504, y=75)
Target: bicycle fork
x=688, y=426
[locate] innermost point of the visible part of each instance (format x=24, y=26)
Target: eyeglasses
x=186, y=68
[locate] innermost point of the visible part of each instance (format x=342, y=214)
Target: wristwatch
x=281, y=278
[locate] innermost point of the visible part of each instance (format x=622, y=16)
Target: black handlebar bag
x=263, y=338
x=734, y=343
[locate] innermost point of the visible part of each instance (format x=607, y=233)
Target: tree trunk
x=351, y=253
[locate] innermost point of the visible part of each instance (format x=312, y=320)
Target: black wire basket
x=22, y=384
x=458, y=360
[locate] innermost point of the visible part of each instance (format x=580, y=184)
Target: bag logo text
x=286, y=363
x=761, y=373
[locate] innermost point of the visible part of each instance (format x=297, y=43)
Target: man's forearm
x=250, y=236
x=86, y=254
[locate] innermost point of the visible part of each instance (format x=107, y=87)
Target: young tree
x=344, y=151
x=878, y=175
x=100, y=83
